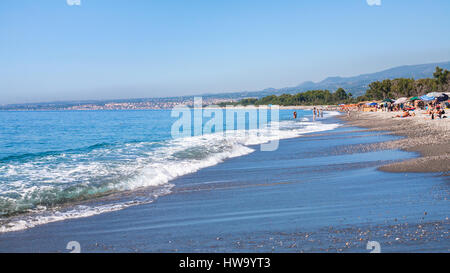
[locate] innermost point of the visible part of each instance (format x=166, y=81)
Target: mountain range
x=357, y=85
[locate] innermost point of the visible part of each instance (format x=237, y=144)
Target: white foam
x=77, y=212
x=41, y=216
x=331, y=113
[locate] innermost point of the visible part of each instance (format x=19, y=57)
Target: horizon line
x=210, y=94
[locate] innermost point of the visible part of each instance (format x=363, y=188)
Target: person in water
x=295, y=115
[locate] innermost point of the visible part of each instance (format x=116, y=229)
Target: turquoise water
x=54, y=164
x=320, y=192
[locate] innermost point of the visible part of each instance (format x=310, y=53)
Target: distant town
x=151, y=104
x=132, y=104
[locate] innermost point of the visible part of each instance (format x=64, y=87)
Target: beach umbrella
x=401, y=100
x=435, y=94
x=438, y=96
x=414, y=98
x=444, y=97
x=427, y=98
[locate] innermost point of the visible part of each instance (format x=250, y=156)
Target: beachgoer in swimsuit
x=404, y=115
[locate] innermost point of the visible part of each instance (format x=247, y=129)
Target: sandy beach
x=429, y=138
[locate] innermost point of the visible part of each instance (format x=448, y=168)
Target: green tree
x=441, y=75
x=402, y=87
x=340, y=95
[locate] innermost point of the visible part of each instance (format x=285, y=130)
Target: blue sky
x=104, y=49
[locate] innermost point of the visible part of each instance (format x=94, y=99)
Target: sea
x=59, y=165
x=211, y=181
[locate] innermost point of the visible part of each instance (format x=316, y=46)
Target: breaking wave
x=39, y=188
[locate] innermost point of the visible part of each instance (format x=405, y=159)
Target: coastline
x=429, y=138
x=313, y=194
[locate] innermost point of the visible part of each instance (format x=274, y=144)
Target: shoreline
x=281, y=107
x=429, y=138
x=271, y=202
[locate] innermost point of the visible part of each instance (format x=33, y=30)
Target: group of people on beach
x=435, y=110
x=316, y=113
x=408, y=108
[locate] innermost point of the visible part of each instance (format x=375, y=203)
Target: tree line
x=312, y=97
x=378, y=90
x=404, y=87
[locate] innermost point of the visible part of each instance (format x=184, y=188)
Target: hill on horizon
x=357, y=85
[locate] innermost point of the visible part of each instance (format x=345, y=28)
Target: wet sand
x=429, y=138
